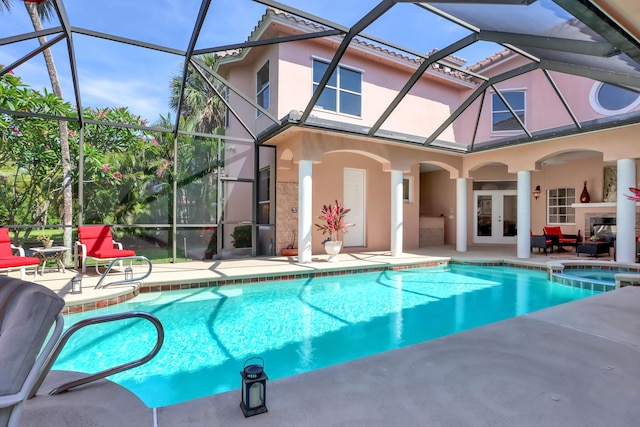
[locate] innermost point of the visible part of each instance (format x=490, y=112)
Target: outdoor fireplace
x=604, y=227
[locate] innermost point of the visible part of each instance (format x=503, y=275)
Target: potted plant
x=333, y=216
x=45, y=240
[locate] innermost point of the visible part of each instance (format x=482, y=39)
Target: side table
x=53, y=253
x=593, y=248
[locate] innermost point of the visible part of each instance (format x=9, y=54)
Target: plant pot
x=47, y=244
x=290, y=252
x=332, y=248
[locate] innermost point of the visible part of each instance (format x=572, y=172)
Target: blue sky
x=116, y=74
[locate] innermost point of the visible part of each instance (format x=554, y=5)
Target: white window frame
x=524, y=109
x=597, y=107
x=569, y=215
x=338, y=87
x=261, y=89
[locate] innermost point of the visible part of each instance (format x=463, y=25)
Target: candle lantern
x=76, y=285
x=128, y=273
x=254, y=388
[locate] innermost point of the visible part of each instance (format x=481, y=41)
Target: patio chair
x=542, y=242
x=555, y=233
x=9, y=261
x=27, y=313
x=96, y=242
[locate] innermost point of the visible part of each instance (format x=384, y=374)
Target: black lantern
x=536, y=192
x=254, y=388
x=76, y=285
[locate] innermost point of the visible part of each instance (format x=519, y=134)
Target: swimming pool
x=591, y=274
x=299, y=325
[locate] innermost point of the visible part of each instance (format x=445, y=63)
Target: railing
x=107, y=372
x=126, y=280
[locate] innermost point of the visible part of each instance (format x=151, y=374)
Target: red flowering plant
x=334, y=220
x=636, y=194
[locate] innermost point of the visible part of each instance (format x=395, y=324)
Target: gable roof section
x=450, y=66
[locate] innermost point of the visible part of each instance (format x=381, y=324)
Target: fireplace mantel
x=597, y=205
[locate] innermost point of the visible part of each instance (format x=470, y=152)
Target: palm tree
x=200, y=101
x=37, y=13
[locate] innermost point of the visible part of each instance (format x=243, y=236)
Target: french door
x=496, y=216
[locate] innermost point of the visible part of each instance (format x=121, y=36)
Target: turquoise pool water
x=594, y=274
x=299, y=325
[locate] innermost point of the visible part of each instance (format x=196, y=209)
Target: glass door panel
x=496, y=216
x=236, y=235
x=484, y=224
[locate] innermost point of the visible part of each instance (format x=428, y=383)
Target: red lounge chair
x=555, y=233
x=96, y=242
x=9, y=261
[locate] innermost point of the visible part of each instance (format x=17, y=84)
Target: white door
x=496, y=216
x=354, y=199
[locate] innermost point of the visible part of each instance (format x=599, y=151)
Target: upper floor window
x=610, y=100
x=559, y=210
x=343, y=92
x=502, y=119
x=262, y=87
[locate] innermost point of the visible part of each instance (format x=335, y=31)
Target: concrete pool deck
x=574, y=364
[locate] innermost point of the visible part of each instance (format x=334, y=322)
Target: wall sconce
x=254, y=388
x=76, y=285
x=536, y=192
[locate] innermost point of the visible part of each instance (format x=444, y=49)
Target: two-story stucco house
x=390, y=136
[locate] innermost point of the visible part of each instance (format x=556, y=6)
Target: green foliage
x=128, y=174
x=241, y=236
x=30, y=171
x=120, y=163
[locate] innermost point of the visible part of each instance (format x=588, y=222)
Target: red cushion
x=563, y=240
x=111, y=253
x=5, y=243
x=552, y=231
x=99, y=242
x=18, y=261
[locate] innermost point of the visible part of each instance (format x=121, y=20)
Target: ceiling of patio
x=130, y=61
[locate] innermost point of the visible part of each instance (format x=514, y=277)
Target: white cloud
x=136, y=94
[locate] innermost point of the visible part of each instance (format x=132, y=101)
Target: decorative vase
x=584, y=197
x=332, y=248
x=47, y=244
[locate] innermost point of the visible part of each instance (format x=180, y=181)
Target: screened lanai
x=146, y=108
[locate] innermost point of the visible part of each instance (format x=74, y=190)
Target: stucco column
x=524, y=214
x=396, y=213
x=461, y=214
x=305, y=216
x=626, y=212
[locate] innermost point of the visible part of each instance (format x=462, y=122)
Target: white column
x=626, y=212
x=305, y=215
x=461, y=214
x=396, y=213
x=524, y=214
